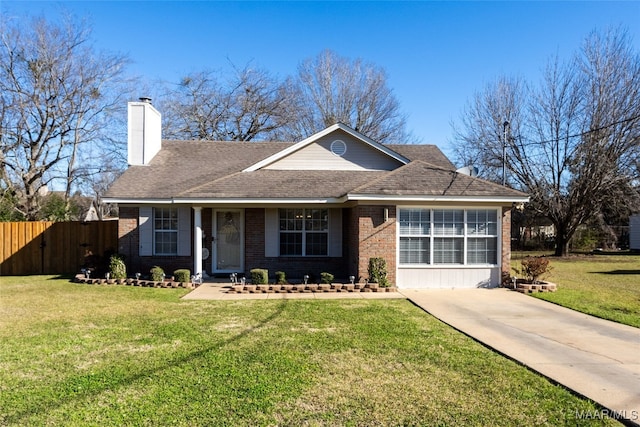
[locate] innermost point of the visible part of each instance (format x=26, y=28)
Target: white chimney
x=144, y=132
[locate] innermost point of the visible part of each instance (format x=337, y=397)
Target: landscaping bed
x=168, y=283
x=309, y=288
x=527, y=287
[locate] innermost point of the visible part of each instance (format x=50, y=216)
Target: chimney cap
x=145, y=99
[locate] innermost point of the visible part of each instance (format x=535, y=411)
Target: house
x=634, y=232
x=328, y=203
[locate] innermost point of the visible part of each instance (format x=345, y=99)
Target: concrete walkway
x=596, y=358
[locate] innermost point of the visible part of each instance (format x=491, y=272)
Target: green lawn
x=604, y=285
x=84, y=355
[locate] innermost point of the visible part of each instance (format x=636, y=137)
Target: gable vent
x=338, y=147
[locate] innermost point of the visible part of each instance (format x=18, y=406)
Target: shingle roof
x=213, y=170
x=182, y=165
x=420, y=178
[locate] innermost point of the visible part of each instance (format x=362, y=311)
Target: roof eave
x=438, y=198
x=226, y=201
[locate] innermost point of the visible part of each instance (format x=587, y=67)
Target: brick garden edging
x=309, y=288
x=530, y=288
x=134, y=282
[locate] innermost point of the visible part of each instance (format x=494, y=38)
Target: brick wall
x=376, y=238
x=294, y=267
x=129, y=244
x=129, y=238
x=506, y=241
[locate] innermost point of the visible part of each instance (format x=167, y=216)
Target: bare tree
x=575, y=140
x=249, y=106
x=331, y=89
x=57, y=94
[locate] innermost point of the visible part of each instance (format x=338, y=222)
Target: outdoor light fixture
x=306, y=278
x=352, y=279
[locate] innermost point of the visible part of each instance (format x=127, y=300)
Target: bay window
x=448, y=236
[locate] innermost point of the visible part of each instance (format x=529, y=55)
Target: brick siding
x=374, y=238
x=294, y=267
x=129, y=247
x=506, y=241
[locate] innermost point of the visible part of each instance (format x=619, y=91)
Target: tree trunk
x=562, y=240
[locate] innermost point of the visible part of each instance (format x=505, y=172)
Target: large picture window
x=304, y=232
x=448, y=236
x=165, y=231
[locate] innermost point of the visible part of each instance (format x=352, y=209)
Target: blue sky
x=436, y=53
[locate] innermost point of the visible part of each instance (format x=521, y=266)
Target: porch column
x=197, y=240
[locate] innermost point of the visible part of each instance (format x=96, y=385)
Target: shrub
x=157, y=274
x=182, y=275
x=281, y=278
x=534, y=267
x=259, y=276
x=378, y=271
x=326, y=277
x=117, y=267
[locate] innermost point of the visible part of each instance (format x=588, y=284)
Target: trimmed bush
x=281, y=278
x=182, y=275
x=378, y=271
x=326, y=277
x=259, y=276
x=534, y=267
x=157, y=274
x=117, y=267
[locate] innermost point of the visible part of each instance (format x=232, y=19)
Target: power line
x=581, y=134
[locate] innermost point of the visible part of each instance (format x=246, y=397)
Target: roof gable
x=354, y=152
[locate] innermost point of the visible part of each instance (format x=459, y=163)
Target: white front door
x=228, y=240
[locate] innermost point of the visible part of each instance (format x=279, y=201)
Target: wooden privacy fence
x=45, y=247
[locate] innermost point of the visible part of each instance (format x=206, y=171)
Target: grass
x=88, y=355
x=603, y=285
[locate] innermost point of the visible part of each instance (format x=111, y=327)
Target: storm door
x=228, y=241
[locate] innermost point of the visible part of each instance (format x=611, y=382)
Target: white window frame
x=173, y=212
x=432, y=233
x=304, y=232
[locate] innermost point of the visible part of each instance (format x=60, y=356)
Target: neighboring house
x=634, y=232
x=91, y=213
x=328, y=203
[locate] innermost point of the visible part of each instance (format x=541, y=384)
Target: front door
x=228, y=240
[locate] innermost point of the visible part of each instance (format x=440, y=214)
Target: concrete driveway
x=596, y=358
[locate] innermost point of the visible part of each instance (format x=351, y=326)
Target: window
x=482, y=240
x=304, y=232
x=449, y=249
x=415, y=229
x=165, y=231
x=448, y=236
